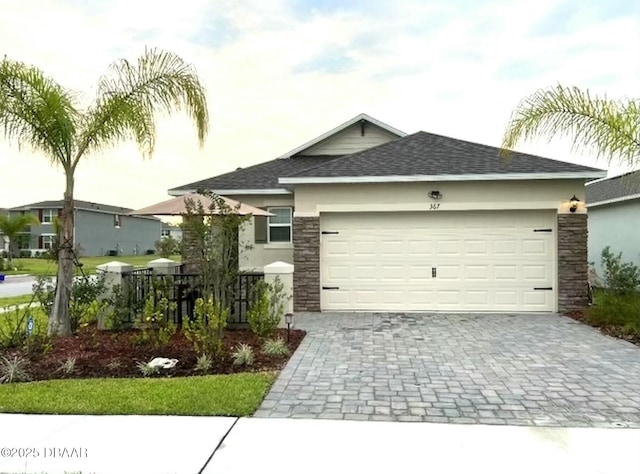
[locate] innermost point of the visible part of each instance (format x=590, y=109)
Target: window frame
x=48, y=238
x=48, y=212
x=289, y=225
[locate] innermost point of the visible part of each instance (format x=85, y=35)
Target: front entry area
x=488, y=261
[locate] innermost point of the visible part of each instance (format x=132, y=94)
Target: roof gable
x=615, y=189
x=426, y=156
x=359, y=133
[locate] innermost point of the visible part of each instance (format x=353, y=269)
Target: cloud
x=282, y=72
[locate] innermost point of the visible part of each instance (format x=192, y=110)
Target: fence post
x=164, y=266
x=284, y=271
x=113, y=275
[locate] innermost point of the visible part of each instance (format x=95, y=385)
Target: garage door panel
x=484, y=261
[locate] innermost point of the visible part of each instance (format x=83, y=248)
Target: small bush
x=114, y=364
x=167, y=246
x=206, y=329
x=275, y=347
x=147, y=370
x=13, y=325
x=157, y=329
x=243, y=355
x=267, y=309
x=13, y=370
x=620, y=277
x=119, y=312
x=612, y=309
x=68, y=366
x=204, y=363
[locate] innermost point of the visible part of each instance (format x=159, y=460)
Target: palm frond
x=36, y=111
x=13, y=225
x=130, y=97
x=609, y=128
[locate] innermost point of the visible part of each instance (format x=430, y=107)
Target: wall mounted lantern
x=574, y=203
x=435, y=194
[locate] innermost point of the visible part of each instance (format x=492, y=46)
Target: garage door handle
x=330, y=287
x=542, y=230
x=543, y=288
x=330, y=232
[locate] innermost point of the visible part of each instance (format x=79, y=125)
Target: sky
x=279, y=73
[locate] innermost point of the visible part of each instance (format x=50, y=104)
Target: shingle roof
x=92, y=206
x=613, y=189
x=428, y=154
x=260, y=176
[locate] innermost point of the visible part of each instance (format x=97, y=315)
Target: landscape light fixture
x=574, y=203
x=289, y=320
x=435, y=194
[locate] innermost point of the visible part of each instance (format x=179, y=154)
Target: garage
x=491, y=261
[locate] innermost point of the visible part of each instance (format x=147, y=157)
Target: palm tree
x=37, y=111
x=610, y=128
x=11, y=227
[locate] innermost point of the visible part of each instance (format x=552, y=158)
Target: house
x=99, y=229
x=4, y=245
x=614, y=218
x=171, y=230
x=374, y=219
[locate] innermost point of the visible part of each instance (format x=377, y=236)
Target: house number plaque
x=434, y=206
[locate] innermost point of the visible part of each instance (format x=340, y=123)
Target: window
x=48, y=215
x=165, y=233
x=116, y=221
x=280, y=224
x=47, y=241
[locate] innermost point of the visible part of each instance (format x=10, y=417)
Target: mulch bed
x=114, y=354
x=612, y=331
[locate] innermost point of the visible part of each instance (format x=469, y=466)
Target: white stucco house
x=614, y=217
x=374, y=219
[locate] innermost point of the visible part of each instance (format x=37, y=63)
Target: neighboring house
x=171, y=230
x=99, y=229
x=377, y=220
x=614, y=218
x=4, y=244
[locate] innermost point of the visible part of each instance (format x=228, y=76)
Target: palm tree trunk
x=59, y=321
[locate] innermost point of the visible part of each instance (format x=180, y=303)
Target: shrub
x=13, y=370
x=167, y=246
x=275, y=347
x=14, y=322
x=204, y=363
x=147, y=370
x=206, y=329
x=67, y=366
x=243, y=355
x=613, y=309
x=119, y=311
x=267, y=309
x=114, y=364
x=156, y=329
x=44, y=291
x=150, y=252
x=620, y=277
x=84, y=293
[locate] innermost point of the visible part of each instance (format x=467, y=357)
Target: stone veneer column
x=573, y=267
x=306, y=260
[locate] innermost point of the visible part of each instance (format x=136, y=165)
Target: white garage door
x=421, y=261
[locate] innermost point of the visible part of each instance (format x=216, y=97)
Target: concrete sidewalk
x=191, y=445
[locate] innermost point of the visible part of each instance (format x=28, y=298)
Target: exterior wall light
x=435, y=194
x=574, y=203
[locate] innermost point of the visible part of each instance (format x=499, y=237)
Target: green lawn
x=11, y=300
x=228, y=395
x=42, y=266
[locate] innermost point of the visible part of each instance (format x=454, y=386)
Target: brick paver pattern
x=518, y=369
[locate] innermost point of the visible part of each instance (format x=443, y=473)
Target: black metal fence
x=182, y=289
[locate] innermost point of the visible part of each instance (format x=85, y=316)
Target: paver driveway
x=521, y=369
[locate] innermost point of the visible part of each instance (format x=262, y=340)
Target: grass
x=12, y=300
x=42, y=266
x=610, y=309
x=222, y=395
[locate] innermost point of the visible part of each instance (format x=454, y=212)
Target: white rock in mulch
x=163, y=363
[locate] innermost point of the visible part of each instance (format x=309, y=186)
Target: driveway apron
x=507, y=369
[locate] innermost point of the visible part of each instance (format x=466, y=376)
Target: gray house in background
x=99, y=229
x=614, y=217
